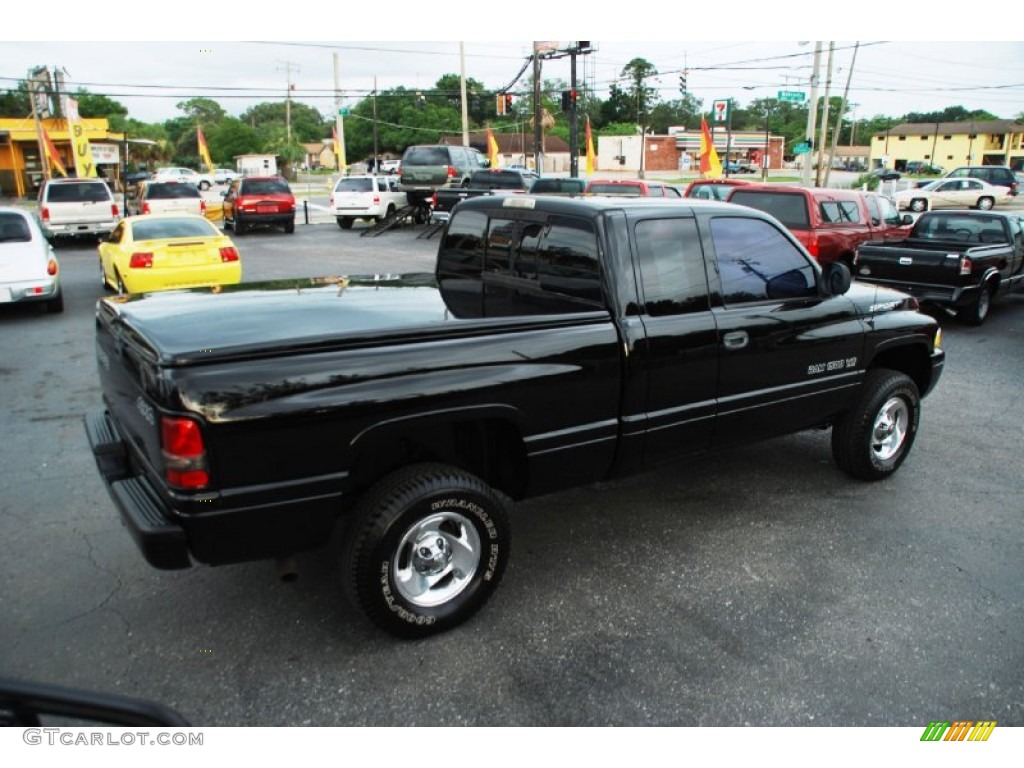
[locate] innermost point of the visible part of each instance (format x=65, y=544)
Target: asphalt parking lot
x=759, y=586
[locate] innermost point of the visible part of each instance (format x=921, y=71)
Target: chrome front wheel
x=436, y=559
x=890, y=429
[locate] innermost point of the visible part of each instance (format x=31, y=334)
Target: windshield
x=171, y=191
x=425, y=156
x=159, y=229
x=88, y=192
x=626, y=190
x=265, y=187
x=790, y=209
x=354, y=185
x=13, y=229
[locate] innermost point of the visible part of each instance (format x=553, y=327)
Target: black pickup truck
x=481, y=183
x=560, y=342
x=957, y=260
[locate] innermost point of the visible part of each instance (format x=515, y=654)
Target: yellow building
x=981, y=142
x=21, y=167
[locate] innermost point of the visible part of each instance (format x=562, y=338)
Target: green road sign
x=343, y=111
x=794, y=96
x=802, y=148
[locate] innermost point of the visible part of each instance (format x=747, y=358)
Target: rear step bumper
x=163, y=542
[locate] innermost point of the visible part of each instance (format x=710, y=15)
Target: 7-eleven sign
x=720, y=110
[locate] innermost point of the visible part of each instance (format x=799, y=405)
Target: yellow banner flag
x=710, y=165
x=204, y=151
x=85, y=168
x=591, y=155
x=53, y=155
x=492, y=148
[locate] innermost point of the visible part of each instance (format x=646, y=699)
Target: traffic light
x=682, y=82
x=508, y=103
x=568, y=100
x=501, y=106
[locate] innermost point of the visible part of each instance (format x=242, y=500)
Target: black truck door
x=674, y=347
x=789, y=356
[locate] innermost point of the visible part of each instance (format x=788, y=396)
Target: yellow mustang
x=166, y=251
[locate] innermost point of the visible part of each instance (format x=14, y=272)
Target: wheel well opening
x=491, y=449
x=914, y=362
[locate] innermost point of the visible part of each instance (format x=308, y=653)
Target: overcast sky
x=150, y=78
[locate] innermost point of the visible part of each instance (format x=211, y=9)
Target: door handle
x=735, y=340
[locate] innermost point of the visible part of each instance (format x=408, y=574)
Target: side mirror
x=907, y=219
x=836, y=277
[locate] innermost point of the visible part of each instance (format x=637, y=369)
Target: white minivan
x=365, y=197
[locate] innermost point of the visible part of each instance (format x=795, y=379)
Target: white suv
x=76, y=207
x=185, y=175
x=365, y=197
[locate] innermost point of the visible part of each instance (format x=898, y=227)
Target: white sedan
x=28, y=265
x=185, y=175
x=952, y=193
x=224, y=175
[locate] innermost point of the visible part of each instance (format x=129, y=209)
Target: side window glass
x=757, y=263
x=873, y=205
x=567, y=259
x=671, y=266
x=890, y=214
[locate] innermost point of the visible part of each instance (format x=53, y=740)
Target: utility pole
x=824, y=116
x=538, y=128
x=288, y=98
x=574, y=130
x=462, y=91
x=339, y=120
x=376, y=153
x=812, y=116
x=839, y=117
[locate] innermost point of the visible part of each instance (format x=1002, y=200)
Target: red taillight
x=451, y=171
x=965, y=265
x=433, y=200
x=51, y=267
x=113, y=210
x=141, y=261
x=184, y=452
x=376, y=199
x=202, y=207
x=1013, y=187
x=146, y=208
x=812, y=245
x=228, y=254
x=46, y=213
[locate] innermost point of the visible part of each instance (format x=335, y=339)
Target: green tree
x=641, y=96
x=307, y=123
x=15, y=103
x=231, y=137
x=98, y=105
x=205, y=112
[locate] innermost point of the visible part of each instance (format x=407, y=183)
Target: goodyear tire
x=976, y=312
x=918, y=205
x=427, y=546
x=345, y=222
x=289, y=227
x=238, y=226
x=985, y=203
x=873, y=438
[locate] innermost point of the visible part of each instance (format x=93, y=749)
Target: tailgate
x=128, y=376
x=85, y=212
x=907, y=264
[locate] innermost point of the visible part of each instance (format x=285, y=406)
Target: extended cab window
x=756, y=262
x=671, y=266
x=839, y=212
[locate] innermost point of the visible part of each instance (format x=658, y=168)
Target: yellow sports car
x=165, y=251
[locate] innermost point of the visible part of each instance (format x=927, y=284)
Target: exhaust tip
x=287, y=569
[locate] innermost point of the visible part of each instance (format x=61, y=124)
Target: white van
x=74, y=207
x=365, y=197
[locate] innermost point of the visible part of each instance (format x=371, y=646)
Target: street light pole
x=812, y=116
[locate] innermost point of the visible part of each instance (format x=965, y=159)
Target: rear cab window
x=519, y=263
x=788, y=208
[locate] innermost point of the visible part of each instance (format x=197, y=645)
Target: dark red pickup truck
x=830, y=223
